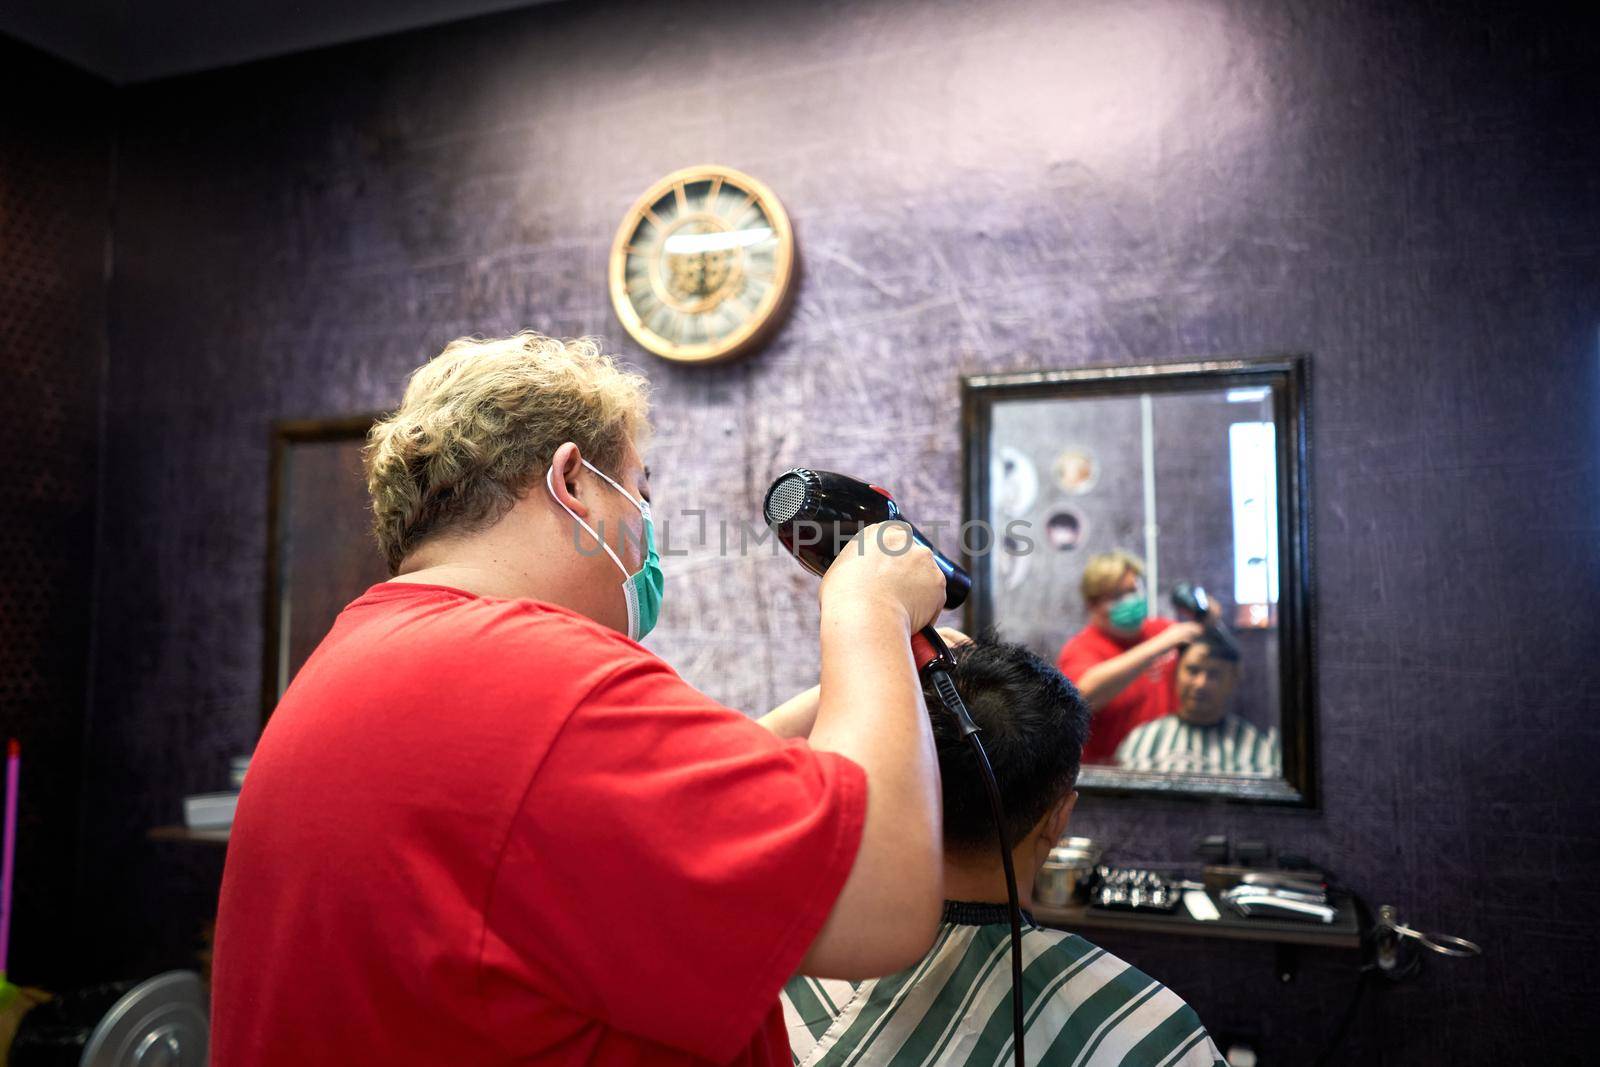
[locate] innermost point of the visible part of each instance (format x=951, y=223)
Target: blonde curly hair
x=1103, y=573
x=482, y=420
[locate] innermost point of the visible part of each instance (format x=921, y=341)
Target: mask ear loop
x=642, y=505
x=550, y=484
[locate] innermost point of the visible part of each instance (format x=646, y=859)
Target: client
x=1203, y=736
x=1083, y=1006
x=1121, y=660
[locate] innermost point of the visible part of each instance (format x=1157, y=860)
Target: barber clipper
x=814, y=515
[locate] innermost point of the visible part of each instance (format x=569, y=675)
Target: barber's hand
x=882, y=566
x=1181, y=633
x=954, y=638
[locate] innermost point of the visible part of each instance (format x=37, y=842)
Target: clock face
x=702, y=265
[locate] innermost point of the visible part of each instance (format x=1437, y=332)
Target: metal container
x=163, y=1022
x=1062, y=878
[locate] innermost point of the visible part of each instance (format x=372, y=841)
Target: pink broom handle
x=7, y=864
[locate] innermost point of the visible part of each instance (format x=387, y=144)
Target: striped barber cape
x=1083, y=1006
x=1231, y=746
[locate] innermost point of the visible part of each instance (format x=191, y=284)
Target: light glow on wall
x=1253, y=467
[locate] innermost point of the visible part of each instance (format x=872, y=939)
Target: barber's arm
x=1102, y=683
x=795, y=716
x=870, y=709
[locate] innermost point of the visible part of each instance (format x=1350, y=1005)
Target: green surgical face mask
x=1128, y=613
x=644, y=588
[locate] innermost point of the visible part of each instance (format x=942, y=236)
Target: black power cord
x=946, y=688
x=1365, y=973
x=1325, y=1057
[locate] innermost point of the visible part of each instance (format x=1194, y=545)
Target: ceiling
x=126, y=41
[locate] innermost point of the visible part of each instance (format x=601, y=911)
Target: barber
x=1122, y=660
x=485, y=826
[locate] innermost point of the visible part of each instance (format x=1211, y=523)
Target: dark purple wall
x=55, y=199
x=1408, y=192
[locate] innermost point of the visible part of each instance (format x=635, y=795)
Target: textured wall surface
x=1409, y=193
x=54, y=224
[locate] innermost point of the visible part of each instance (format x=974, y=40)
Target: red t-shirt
x=1148, y=697
x=483, y=831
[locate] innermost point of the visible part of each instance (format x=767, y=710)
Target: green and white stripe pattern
x=1232, y=746
x=1082, y=1007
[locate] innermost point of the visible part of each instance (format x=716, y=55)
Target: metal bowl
x=1062, y=878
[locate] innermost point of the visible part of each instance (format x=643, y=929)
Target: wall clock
x=703, y=265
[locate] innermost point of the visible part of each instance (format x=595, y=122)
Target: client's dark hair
x=1219, y=644
x=1033, y=724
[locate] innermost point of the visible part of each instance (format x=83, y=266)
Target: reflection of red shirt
x=1149, y=696
x=482, y=832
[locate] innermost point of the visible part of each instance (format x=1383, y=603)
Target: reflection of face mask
x=644, y=588
x=1128, y=613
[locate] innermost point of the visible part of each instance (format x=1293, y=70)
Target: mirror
x=1149, y=535
x=321, y=553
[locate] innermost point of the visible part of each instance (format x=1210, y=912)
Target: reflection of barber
x=1121, y=661
x=1203, y=736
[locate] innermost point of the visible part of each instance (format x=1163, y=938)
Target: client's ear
x=1061, y=815
x=1050, y=828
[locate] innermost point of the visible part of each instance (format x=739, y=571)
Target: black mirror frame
x=1289, y=378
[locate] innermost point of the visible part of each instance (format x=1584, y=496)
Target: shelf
x=184, y=835
x=1343, y=932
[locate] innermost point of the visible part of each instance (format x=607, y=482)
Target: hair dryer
x=816, y=513
x=1191, y=601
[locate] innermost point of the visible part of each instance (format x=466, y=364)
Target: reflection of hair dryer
x=816, y=513
x=1190, y=600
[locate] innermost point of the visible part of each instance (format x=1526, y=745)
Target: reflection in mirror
x=1144, y=550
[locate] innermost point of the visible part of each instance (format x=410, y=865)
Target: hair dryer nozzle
x=815, y=514
x=790, y=496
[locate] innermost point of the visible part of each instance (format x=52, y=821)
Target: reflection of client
x=1202, y=736
x=1120, y=659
